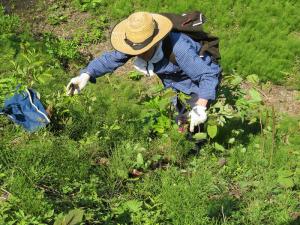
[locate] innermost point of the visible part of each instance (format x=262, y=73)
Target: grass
x=86, y=158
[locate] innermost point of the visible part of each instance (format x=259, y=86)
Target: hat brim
x=117, y=37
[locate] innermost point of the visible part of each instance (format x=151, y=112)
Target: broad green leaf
x=37, y=63
x=231, y=140
x=200, y=136
x=285, y=173
x=115, y=127
x=183, y=97
x=122, y=174
x=253, y=78
x=297, y=171
x=253, y=120
x=212, y=121
x=286, y=182
x=6, y=80
x=72, y=218
x=135, y=75
x=219, y=147
x=255, y=95
x=243, y=150
x=169, y=93
x=297, y=176
x=236, y=80
x=246, y=184
x=212, y=130
x=163, y=103
x=49, y=214
x=134, y=205
x=156, y=157
x=139, y=159
x=42, y=80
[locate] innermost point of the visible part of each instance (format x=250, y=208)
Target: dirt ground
x=281, y=98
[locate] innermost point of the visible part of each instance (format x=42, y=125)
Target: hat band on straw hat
x=138, y=46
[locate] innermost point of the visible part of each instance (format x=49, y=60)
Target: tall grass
x=86, y=157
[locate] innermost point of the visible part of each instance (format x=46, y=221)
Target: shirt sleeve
x=198, y=69
x=106, y=63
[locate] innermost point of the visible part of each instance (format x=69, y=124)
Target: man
x=142, y=34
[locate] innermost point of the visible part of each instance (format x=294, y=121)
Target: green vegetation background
x=247, y=174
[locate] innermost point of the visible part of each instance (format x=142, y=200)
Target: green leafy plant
x=56, y=14
x=232, y=104
x=244, y=171
x=61, y=48
x=85, y=5
x=157, y=114
x=134, y=75
x=72, y=218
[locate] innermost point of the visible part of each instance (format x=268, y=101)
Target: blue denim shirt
x=193, y=74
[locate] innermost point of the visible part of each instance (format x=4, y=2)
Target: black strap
x=186, y=22
x=210, y=47
x=191, y=25
x=168, y=50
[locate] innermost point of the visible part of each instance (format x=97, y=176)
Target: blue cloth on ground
x=26, y=109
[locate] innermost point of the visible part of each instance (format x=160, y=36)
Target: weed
x=113, y=154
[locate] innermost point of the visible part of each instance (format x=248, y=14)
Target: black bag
x=191, y=25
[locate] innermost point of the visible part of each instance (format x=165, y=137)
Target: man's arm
x=106, y=63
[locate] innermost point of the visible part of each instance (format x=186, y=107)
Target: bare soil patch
x=283, y=99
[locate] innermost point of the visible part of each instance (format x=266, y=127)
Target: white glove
x=197, y=115
x=77, y=84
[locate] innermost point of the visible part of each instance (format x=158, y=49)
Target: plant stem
x=262, y=135
x=273, y=134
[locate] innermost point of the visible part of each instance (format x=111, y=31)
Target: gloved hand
x=197, y=116
x=77, y=84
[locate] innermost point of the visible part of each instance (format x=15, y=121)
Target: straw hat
x=139, y=32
